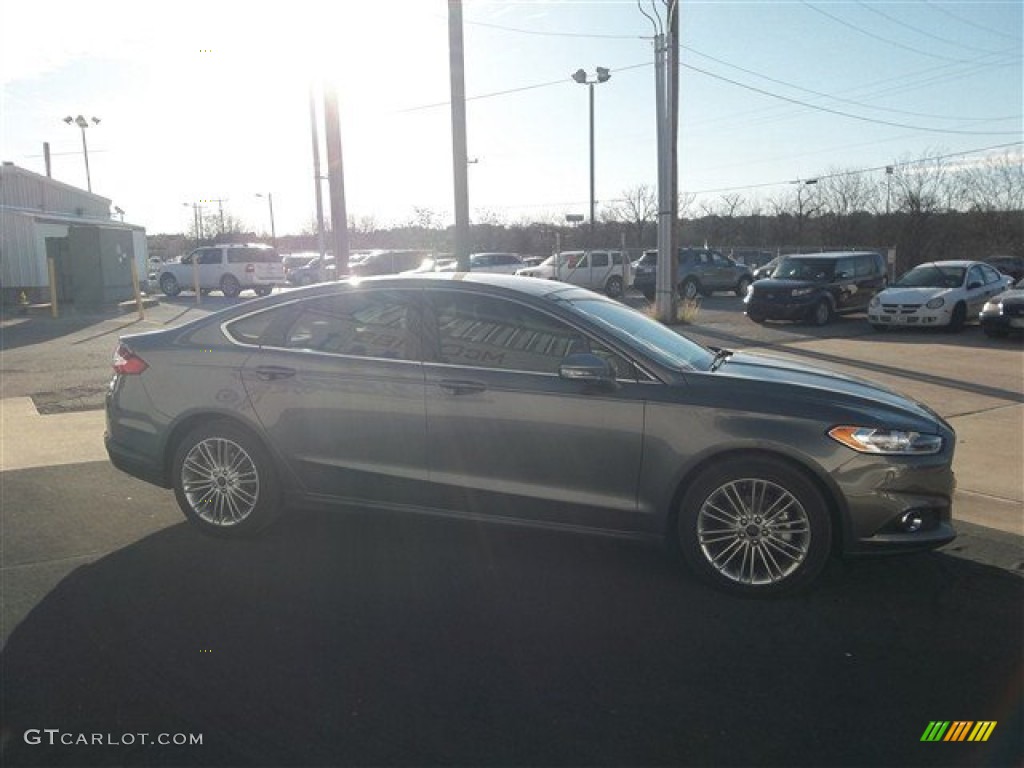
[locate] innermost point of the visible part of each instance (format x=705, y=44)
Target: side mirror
x=586, y=367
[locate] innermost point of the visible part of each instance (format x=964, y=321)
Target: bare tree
x=637, y=207
x=842, y=195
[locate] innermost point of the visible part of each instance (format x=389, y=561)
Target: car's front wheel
x=169, y=285
x=225, y=481
x=754, y=525
x=957, y=319
x=689, y=289
x=263, y=290
x=742, y=285
x=821, y=313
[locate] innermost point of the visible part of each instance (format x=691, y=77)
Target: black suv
x=817, y=286
x=700, y=271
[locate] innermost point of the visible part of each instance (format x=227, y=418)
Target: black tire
x=742, y=285
x=225, y=481
x=306, y=280
x=756, y=318
x=727, y=543
x=613, y=288
x=821, y=313
x=880, y=327
x=959, y=317
x=264, y=290
x=169, y=284
x=230, y=286
x=689, y=288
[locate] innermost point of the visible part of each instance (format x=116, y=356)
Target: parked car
x=1008, y=265
x=387, y=262
x=817, y=286
x=498, y=263
x=301, y=259
x=1004, y=312
x=230, y=269
x=313, y=271
x=600, y=270
x=493, y=397
x=751, y=257
x=699, y=271
x=937, y=294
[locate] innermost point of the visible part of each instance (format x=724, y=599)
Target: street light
x=602, y=76
x=270, y=201
x=82, y=123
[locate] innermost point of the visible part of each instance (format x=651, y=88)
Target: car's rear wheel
x=742, y=285
x=613, y=287
x=230, y=286
x=821, y=313
x=225, y=481
x=754, y=525
x=169, y=285
x=264, y=290
x=689, y=288
x=958, y=318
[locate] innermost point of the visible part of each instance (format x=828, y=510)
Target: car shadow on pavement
x=385, y=639
x=22, y=331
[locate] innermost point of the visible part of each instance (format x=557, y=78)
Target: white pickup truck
x=604, y=271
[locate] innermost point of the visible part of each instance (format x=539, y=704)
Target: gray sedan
x=528, y=402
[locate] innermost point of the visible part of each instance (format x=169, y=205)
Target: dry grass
x=687, y=311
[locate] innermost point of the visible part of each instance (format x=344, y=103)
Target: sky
x=202, y=101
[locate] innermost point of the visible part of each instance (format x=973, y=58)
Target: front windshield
x=637, y=330
x=818, y=270
x=932, y=276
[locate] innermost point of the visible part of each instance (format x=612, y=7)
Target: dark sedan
x=1004, y=313
x=529, y=402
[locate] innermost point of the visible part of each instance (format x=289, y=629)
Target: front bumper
x=922, y=317
x=793, y=309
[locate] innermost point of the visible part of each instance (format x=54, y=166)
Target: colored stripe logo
x=958, y=730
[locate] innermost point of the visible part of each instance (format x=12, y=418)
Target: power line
x=969, y=22
x=885, y=40
x=845, y=114
x=912, y=28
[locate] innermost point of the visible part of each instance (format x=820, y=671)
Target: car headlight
x=935, y=303
x=993, y=308
x=801, y=291
x=891, y=442
x=875, y=302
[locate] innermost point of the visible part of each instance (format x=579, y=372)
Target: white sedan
x=937, y=294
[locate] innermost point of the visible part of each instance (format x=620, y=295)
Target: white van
x=604, y=271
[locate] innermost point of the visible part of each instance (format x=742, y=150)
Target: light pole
x=82, y=123
x=580, y=76
x=270, y=202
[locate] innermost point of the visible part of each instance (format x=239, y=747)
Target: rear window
x=253, y=256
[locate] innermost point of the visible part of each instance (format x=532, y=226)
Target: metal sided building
x=41, y=218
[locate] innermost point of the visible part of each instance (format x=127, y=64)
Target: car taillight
x=127, y=363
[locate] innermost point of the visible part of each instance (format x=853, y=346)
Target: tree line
x=926, y=209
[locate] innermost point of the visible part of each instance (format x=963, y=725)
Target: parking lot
x=364, y=638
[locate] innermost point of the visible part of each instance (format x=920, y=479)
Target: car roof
x=949, y=263
x=829, y=255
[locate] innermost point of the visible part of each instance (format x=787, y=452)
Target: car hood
x=1016, y=294
x=897, y=295
x=791, y=373
x=785, y=284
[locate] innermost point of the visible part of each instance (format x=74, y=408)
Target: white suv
x=605, y=271
x=229, y=269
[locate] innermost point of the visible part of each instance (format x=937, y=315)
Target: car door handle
x=272, y=372
x=459, y=387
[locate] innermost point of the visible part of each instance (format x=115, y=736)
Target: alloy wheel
x=220, y=481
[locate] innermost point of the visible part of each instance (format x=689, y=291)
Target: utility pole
x=664, y=287
x=460, y=159
x=317, y=179
x=336, y=180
